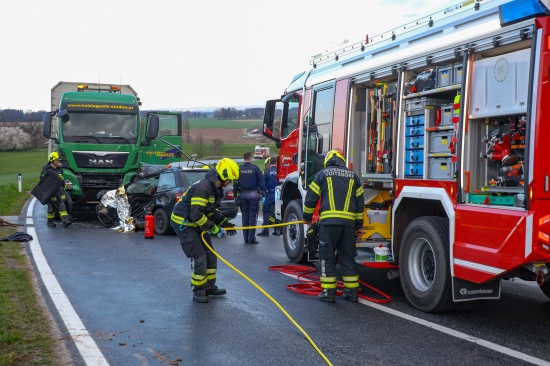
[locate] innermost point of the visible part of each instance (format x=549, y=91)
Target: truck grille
x=100, y=159
x=103, y=181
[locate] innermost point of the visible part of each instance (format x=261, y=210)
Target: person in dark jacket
x=249, y=188
x=340, y=221
x=196, y=212
x=268, y=207
x=57, y=203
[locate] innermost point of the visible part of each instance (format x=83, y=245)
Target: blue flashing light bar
x=518, y=10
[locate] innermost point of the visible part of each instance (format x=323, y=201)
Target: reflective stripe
x=359, y=191
x=330, y=194
x=359, y=216
x=202, y=220
x=179, y=220
x=328, y=282
x=348, y=195
x=197, y=201
x=308, y=210
x=351, y=281
x=211, y=199
x=211, y=274
x=198, y=280
x=337, y=215
x=315, y=188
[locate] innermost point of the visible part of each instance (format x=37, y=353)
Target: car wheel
x=162, y=222
x=293, y=235
x=424, y=265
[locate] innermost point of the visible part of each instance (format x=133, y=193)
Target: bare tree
x=186, y=130
x=199, y=146
x=216, y=149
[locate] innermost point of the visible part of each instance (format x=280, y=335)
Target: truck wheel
x=162, y=222
x=293, y=235
x=545, y=287
x=424, y=264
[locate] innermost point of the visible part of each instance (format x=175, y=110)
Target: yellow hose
x=262, y=290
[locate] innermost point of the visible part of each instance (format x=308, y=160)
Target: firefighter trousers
x=337, y=242
x=203, y=262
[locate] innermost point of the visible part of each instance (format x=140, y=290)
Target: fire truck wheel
x=162, y=223
x=293, y=235
x=545, y=287
x=424, y=264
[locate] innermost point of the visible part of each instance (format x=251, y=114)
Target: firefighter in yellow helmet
x=197, y=211
x=56, y=203
x=340, y=220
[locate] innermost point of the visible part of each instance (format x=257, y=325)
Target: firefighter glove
x=228, y=224
x=215, y=230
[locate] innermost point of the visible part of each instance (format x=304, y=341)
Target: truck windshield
x=97, y=126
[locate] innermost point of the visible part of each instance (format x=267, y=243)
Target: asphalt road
x=123, y=300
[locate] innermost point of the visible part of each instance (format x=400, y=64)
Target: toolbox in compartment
x=457, y=73
x=414, y=131
x=447, y=113
x=439, y=141
x=414, y=156
x=421, y=103
x=441, y=168
x=444, y=76
x=414, y=169
x=414, y=142
x=417, y=120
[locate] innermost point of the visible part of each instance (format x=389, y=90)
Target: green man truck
x=101, y=136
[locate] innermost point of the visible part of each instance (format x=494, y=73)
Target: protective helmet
x=227, y=169
x=53, y=156
x=267, y=161
x=334, y=154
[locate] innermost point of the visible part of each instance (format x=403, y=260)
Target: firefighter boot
x=215, y=291
x=51, y=223
x=66, y=221
x=200, y=296
x=328, y=295
x=264, y=232
x=350, y=294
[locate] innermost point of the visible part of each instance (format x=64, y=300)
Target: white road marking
x=451, y=332
x=85, y=344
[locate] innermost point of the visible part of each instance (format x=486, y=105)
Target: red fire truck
x=444, y=121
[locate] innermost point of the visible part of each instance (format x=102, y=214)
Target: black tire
x=424, y=265
x=162, y=222
x=545, y=287
x=293, y=235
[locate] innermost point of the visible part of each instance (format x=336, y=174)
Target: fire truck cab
x=443, y=120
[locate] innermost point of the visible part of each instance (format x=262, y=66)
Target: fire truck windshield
x=100, y=125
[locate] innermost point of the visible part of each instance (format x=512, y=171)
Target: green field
x=209, y=123
x=235, y=151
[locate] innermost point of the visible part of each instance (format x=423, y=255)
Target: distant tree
x=199, y=146
x=216, y=149
x=34, y=130
x=186, y=130
x=13, y=139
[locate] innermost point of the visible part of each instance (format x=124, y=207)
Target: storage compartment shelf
x=433, y=91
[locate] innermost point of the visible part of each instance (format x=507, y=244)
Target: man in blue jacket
x=268, y=208
x=249, y=187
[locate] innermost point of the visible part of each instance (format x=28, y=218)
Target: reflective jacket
x=341, y=194
x=58, y=170
x=198, y=207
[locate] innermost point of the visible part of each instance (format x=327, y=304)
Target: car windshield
x=189, y=177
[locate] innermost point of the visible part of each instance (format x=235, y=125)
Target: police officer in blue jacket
x=249, y=188
x=268, y=208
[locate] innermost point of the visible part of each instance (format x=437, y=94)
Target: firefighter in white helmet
x=340, y=220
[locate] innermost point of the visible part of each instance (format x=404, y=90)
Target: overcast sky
x=180, y=53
